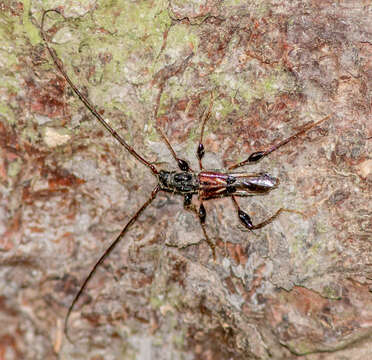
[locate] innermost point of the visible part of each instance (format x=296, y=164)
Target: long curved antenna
x=104, y=256
x=58, y=63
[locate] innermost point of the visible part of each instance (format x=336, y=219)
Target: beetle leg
x=201, y=213
x=258, y=155
x=161, y=79
x=247, y=222
x=182, y=164
x=187, y=201
x=200, y=150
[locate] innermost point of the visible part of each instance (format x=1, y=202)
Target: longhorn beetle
x=186, y=182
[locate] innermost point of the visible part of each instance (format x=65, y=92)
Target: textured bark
x=299, y=286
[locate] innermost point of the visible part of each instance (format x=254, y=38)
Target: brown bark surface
x=301, y=286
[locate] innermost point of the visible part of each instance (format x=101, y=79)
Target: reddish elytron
x=205, y=184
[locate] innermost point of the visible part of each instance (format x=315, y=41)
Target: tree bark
x=299, y=286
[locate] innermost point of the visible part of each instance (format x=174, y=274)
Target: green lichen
x=322, y=228
x=30, y=134
x=224, y=107
x=181, y=36
x=316, y=248
x=163, y=103
x=300, y=347
x=136, y=37
x=10, y=37
x=174, y=92
x=152, y=134
x=233, y=3
x=7, y=113
x=296, y=245
x=135, y=20
x=310, y=265
x=156, y=302
x=29, y=29
x=265, y=88
x=14, y=168
x=331, y=292
x=234, y=85
x=131, y=34
x=277, y=82
x=256, y=8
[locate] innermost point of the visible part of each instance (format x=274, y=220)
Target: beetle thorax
x=178, y=182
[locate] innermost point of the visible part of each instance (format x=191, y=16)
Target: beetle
x=186, y=182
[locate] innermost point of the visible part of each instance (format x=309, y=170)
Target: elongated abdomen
x=214, y=184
